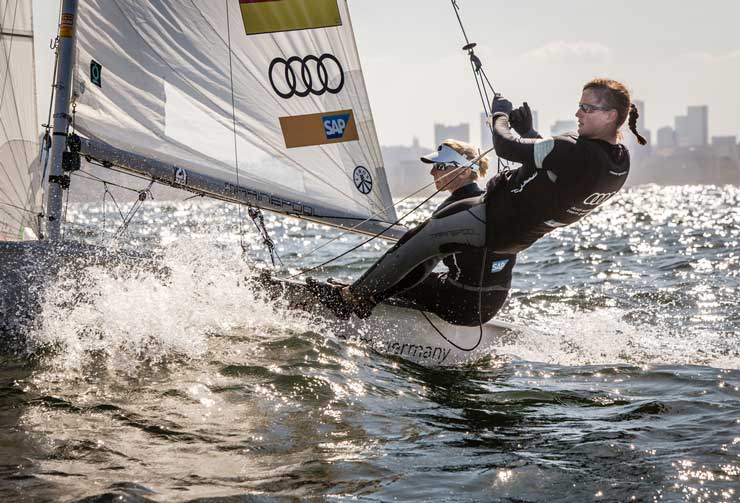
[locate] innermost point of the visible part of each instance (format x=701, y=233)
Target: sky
x=670, y=54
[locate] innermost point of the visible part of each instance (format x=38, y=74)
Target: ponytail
x=614, y=94
x=634, y=115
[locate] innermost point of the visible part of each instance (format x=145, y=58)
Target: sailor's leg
x=459, y=306
x=458, y=227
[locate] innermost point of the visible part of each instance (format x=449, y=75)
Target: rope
x=375, y=236
x=143, y=195
x=259, y=221
x=482, y=82
x=236, y=150
x=480, y=313
x=349, y=230
x=19, y=208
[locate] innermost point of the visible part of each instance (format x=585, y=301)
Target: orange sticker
x=67, y=25
x=319, y=129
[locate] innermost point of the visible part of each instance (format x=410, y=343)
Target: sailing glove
x=501, y=105
x=521, y=120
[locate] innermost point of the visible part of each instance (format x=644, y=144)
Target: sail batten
x=157, y=79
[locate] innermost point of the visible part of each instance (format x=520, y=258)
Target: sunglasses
x=587, y=109
x=441, y=166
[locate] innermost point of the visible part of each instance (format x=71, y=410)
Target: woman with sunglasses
x=560, y=180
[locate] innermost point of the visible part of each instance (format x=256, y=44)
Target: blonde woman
x=476, y=283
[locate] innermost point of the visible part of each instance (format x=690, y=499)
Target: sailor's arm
x=508, y=146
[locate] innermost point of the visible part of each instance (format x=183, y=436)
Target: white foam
x=605, y=337
x=135, y=318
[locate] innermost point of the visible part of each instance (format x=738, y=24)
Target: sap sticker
x=498, y=265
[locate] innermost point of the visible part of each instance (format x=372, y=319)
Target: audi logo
x=314, y=75
x=597, y=198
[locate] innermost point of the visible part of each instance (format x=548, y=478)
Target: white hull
x=396, y=329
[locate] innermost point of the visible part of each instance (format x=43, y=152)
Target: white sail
x=20, y=178
x=261, y=99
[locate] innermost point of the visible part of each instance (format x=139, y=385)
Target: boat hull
x=396, y=327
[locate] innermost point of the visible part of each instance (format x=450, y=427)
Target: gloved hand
x=501, y=104
x=521, y=120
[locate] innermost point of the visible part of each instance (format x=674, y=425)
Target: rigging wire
x=236, y=149
x=375, y=236
x=482, y=82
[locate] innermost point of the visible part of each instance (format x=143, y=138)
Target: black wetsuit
x=560, y=181
x=473, y=289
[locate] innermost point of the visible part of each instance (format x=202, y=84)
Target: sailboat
x=260, y=103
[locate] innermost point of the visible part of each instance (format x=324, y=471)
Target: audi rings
x=314, y=76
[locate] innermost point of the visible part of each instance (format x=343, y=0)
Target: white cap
x=448, y=155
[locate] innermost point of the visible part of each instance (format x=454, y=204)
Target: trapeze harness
x=561, y=180
x=455, y=296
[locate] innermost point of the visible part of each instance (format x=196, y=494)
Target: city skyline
x=417, y=74
x=688, y=130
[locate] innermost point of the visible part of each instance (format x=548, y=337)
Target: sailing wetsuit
x=472, y=291
x=561, y=180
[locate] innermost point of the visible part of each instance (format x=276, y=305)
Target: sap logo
x=498, y=265
x=334, y=125
x=597, y=198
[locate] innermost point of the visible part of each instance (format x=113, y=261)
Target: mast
x=58, y=181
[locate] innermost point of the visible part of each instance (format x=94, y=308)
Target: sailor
x=560, y=180
x=477, y=281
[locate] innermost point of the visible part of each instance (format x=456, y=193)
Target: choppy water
x=627, y=388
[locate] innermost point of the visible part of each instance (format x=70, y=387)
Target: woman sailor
x=561, y=180
x=477, y=281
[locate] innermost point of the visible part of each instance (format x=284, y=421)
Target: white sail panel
x=20, y=178
x=155, y=79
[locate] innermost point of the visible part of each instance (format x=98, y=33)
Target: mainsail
x=20, y=176
x=253, y=101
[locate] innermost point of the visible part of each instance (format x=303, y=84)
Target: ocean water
x=625, y=387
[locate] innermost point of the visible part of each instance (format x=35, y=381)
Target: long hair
x=469, y=152
x=614, y=94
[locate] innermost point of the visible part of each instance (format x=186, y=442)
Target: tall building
x=666, y=137
x=692, y=129
x=460, y=132
x=486, y=138
x=561, y=127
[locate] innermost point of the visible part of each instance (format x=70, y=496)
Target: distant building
x=460, y=132
x=666, y=137
x=692, y=129
x=561, y=127
x=405, y=172
x=486, y=138
x=725, y=146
